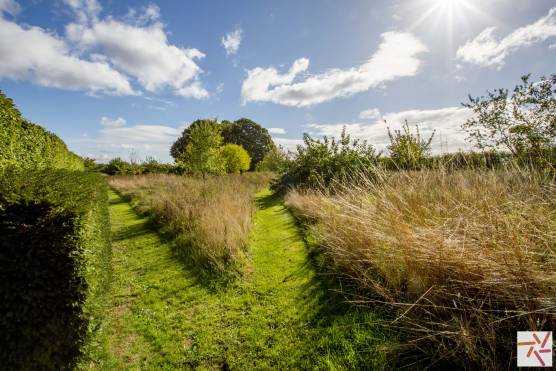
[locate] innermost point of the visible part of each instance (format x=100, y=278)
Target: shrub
x=117, y=166
x=26, y=145
x=276, y=160
x=235, y=158
x=54, y=266
x=408, y=150
x=320, y=163
x=464, y=259
x=210, y=218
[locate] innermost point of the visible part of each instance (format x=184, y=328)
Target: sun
x=445, y=14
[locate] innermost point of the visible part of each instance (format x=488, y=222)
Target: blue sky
x=123, y=78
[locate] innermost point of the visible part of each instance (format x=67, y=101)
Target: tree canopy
x=253, y=137
x=522, y=121
x=244, y=132
x=178, y=148
x=201, y=155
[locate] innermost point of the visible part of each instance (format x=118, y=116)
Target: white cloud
x=193, y=90
x=553, y=46
x=487, y=50
x=100, y=54
x=110, y=122
x=276, y=131
x=369, y=114
x=142, y=50
x=231, y=41
x=34, y=54
x=396, y=57
x=447, y=122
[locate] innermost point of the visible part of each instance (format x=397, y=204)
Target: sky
x=124, y=78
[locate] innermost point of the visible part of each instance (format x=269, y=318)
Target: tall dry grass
x=465, y=258
x=210, y=218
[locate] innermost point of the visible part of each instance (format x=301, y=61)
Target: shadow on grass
x=345, y=327
x=199, y=268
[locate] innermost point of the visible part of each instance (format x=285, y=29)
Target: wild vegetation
x=210, y=218
x=438, y=259
x=462, y=247
x=420, y=243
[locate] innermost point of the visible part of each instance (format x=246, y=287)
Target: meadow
x=241, y=255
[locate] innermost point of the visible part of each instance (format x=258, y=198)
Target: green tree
x=408, y=150
x=178, y=148
x=201, y=155
x=522, y=122
x=235, y=158
x=251, y=136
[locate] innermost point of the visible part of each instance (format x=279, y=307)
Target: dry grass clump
x=211, y=218
x=467, y=258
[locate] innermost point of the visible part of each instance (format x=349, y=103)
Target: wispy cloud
x=397, y=56
x=487, y=50
x=232, y=40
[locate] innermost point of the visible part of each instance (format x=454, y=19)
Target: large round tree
x=177, y=150
x=251, y=136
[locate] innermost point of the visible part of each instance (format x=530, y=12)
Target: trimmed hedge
x=55, y=266
x=26, y=145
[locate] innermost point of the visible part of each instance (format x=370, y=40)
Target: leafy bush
x=235, y=158
x=26, y=145
x=320, y=163
x=408, y=150
x=118, y=166
x=55, y=266
x=276, y=160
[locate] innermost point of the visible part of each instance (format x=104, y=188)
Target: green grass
x=279, y=315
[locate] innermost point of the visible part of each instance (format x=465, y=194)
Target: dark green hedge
x=24, y=144
x=55, y=266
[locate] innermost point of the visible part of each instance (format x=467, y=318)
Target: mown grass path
x=278, y=316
